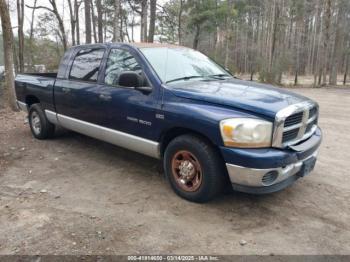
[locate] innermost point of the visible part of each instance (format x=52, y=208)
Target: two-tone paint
x=145, y=122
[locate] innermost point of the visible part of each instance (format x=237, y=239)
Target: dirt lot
x=76, y=195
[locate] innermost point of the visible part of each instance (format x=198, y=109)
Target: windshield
x=182, y=64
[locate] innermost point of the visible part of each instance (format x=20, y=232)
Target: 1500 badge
x=140, y=121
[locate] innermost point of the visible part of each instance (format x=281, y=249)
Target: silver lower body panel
x=52, y=117
x=252, y=177
x=23, y=106
x=131, y=142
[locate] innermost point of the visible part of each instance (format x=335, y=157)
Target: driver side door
x=123, y=108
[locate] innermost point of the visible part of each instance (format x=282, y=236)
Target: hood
x=249, y=96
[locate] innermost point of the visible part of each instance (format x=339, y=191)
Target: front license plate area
x=308, y=166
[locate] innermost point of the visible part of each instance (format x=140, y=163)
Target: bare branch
x=40, y=7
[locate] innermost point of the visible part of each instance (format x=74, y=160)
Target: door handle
x=65, y=90
x=105, y=97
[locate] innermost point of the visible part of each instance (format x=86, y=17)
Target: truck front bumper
x=261, y=171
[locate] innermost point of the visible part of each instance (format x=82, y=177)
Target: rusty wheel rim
x=186, y=171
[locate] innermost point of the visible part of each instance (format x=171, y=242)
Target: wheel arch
x=174, y=132
x=31, y=99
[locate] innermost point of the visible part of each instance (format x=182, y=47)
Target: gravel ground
x=77, y=195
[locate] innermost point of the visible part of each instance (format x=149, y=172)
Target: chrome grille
x=295, y=123
x=313, y=112
x=293, y=119
x=290, y=135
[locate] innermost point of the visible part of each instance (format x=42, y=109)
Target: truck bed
x=39, y=85
x=48, y=75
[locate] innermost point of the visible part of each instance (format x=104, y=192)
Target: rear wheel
x=39, y=125
x=194, y=168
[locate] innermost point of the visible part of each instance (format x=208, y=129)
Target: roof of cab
x=135, y=45
x=153, y=45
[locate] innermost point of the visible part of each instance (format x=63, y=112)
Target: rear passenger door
x=78, y=96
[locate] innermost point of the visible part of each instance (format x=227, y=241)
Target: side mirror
x=134, y=80
x=144, y=89
x=130, y=79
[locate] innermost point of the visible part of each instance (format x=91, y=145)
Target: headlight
x=246, y=132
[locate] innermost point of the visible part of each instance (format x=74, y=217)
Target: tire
x=194, y=168
x=39, y=125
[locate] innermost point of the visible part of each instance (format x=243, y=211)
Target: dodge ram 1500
x=175, y=104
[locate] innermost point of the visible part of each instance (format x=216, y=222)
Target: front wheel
x=194, y=168
x=39, y=125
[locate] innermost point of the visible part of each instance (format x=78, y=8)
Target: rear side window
x=86, y=65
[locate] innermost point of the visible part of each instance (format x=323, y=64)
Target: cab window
x=86, y=65
x=119, y=61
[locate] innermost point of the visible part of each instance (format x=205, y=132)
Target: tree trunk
x=316, y=41
x=105, y=28
x=337, y=48
x=298, y=44
x=274, y=36
x=318, y=59
x=346, y=69
x=77, y=24
x=296, y=77
x=144, y=12
x=20, y=17
x=99, y=21
x=179, y=26
x=31, y=34
x=60, y=23
x=326, y=40
x=196, y=37
x=72, y=21
x=227, y=50
x=152, y=20
x=87, y=22
x=94, y=33
x=132, y=26
x=15, y=58
x=9, y=87
x=125, y=19
x=116, y=31
x=31, y=31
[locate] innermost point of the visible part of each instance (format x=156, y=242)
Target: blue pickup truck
x=173, y=103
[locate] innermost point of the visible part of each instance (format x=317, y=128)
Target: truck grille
x=293, y=119
x=295, y=124
x=290, y=135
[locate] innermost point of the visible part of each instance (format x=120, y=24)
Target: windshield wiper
x=220, y=75
x=183, y=78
